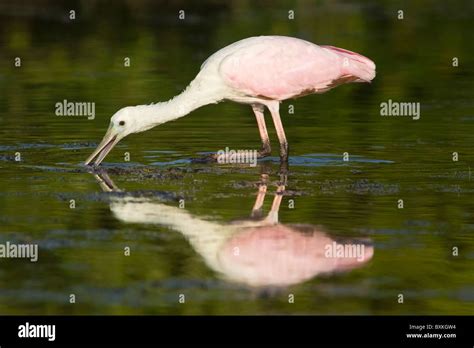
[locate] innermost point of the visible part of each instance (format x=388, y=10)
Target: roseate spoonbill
x=258, y=252
x=260, y=71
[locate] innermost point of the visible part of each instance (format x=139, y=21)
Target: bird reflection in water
x=258, y=251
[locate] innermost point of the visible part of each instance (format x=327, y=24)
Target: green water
x=81, y=250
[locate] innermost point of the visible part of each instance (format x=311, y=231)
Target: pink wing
x=282, y=67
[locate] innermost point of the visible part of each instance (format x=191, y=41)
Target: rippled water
x=209, y=249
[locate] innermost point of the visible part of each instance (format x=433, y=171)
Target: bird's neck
x=192, y=98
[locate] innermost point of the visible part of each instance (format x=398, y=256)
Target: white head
x=136, y=119
x=128, y=120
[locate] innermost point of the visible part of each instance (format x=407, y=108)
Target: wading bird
x=259, y=71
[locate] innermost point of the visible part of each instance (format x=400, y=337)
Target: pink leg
x=273, y=214
x=262, y=190
x=274, y=110
x=262, y=128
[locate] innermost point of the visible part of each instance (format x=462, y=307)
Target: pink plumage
x=278, y=67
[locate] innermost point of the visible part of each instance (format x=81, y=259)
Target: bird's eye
x=122, y=123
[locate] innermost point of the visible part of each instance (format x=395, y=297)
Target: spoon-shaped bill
x=110, y=139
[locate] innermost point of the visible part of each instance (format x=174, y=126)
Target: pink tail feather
x=354, y=64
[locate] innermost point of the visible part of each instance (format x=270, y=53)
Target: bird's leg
x=273, y=214
x=274, y=110
x=262, y=128
x=283, y=173
x=262, y=190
